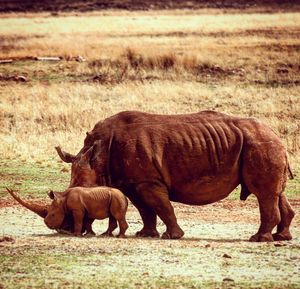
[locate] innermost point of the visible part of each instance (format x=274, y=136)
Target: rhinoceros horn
x=38, y=209
x=66, y=157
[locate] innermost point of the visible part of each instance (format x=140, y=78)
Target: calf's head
x=56, y=211
x=67, y=226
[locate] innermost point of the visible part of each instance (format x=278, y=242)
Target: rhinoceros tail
x=290, y=172
x=245, y=193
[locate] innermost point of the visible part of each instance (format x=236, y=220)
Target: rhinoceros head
x=82, y=174
x=67, y=225
x=56, y=211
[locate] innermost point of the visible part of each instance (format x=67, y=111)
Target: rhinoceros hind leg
x=287, y=214
x=123, y=227
x=265, y=174
x=156, y=197
x=112, y=225
x=269, y=218
x=283, y=236
x=262, y=238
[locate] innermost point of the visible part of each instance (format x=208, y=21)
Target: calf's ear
x=66, y=157
x=51, y=195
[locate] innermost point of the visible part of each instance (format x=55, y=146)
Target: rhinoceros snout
x=49, y=225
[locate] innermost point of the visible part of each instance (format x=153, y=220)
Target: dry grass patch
x=48, y=115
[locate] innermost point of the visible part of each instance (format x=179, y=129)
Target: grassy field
x=245, y=64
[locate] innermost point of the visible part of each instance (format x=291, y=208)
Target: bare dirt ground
x=214, y=252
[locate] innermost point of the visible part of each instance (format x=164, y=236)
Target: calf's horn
x=38, y=209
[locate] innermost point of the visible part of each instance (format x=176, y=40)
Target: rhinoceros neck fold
x=108, y=176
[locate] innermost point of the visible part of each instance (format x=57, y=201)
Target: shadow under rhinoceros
x=190, y=239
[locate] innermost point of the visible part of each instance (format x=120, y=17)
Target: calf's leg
x=118, y=209
x=123, y=227
x=112, y=225
x=87, y=225
x=78, y=216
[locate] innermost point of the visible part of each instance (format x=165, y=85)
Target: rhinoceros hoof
x=90, y=233
x=64, y=232
x=282, y=236
x=147, y=233
x=107, y=234
x=121, y=236
x=262, y=238
x=166, y=235
x=173, y=235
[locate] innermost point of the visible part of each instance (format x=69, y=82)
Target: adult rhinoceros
x=194, y=159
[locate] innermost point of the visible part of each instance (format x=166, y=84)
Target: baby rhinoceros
x=86, y=205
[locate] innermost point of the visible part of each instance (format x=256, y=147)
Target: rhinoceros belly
x=205, y=190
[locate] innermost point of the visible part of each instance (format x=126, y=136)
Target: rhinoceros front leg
x=149, y=218
x=88, y=226
x=78, y=216
x=156, y=196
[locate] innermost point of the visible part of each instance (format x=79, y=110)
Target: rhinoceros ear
x=53, y=195
x=87, y=156
x=96, y=151
x=66, y=157
x=91, y=154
